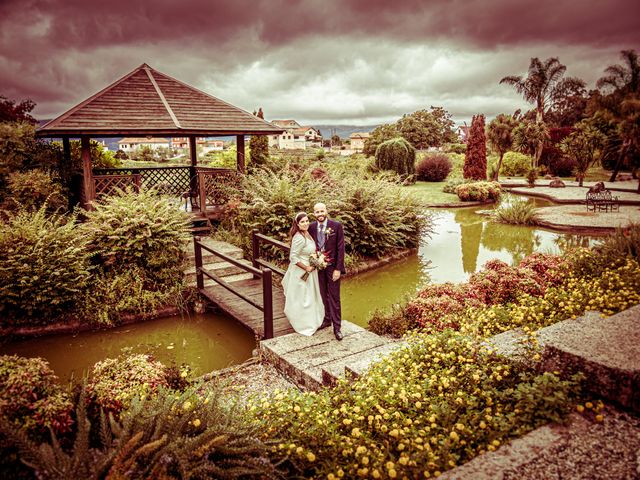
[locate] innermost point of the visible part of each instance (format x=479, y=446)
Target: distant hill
x=343, y=131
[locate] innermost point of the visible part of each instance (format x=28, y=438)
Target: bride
x=303, y=305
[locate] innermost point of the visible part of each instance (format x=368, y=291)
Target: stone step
x=355, y=365
x=303, y=359
x=606, y=350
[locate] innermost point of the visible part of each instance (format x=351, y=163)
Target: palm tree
x=528, y=137
x=540, y=87
x=540, y=84
x=624, y=78
x=499, y=137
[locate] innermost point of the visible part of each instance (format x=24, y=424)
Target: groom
x=329, y=237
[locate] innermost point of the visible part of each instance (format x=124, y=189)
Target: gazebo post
x=240, y=153
x=193, y=153
x=87, y=173
x=65, y=167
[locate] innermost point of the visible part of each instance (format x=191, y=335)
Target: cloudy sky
x=357, y=62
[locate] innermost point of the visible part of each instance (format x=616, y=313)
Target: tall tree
x=10, y=112
x=542, y=83
x=499, y=135
x=379, y=135
x=619, y=100
x=427, y=128
x=259, y=146
x=475, y=159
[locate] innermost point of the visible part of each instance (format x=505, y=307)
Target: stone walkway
x=607, y=350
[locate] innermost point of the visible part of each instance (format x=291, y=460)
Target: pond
x=205, y=342
x=463, y=241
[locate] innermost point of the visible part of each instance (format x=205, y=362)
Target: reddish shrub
x=499, y=283
x=563, y=166
x=434, y=168
x=438, y=300
x=547, y=268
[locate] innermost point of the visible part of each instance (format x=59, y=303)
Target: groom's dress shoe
x=338, y=335
x=325, y=324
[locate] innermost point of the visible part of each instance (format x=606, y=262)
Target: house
x=463, y=133
x=207, y=145
x=131, y=144
x=295, y=136
x=357, y=141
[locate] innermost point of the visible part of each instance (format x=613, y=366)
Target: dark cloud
x=353, y=60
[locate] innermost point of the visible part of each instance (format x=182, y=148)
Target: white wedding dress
x=303, y=304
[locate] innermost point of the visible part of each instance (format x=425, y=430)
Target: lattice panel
x=219, y=185
x=168, y=180
x=110, y=184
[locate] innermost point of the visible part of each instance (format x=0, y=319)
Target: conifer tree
x=259, y=145
x=475, y=159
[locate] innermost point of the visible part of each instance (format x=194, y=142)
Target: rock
x=556, y=183
x=624, y=177
x=548, y=176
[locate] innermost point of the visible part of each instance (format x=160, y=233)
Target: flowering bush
x=30, y=396
x=114, y=382
x=434, y=168
x=499, y=283
x=432, y=405
x=478, y=191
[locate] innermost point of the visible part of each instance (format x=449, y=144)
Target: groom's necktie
x=321, y=235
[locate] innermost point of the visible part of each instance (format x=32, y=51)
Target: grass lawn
x=431, y=192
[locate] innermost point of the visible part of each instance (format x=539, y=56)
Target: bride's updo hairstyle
x=295, y=228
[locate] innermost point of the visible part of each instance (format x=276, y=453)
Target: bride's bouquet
x=319, y=260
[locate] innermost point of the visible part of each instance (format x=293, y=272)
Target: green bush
x=139, y=230
x=30, y=190
x=455, y=148
x=478, y=191
x=45, y=266
x=115, y=382
x=397, y=155
x=516, y=212
x=451, y=185
x=31, y=398
x=515, y=164
x=434, y=167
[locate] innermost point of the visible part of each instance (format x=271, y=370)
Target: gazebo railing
x=209, y=188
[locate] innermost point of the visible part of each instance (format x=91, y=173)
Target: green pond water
x=462, y=242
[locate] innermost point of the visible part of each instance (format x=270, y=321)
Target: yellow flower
x=454, y=436
x=186, y=405
x=392, y=473
x=196, y=422
x=311, y=457
x=394, y=433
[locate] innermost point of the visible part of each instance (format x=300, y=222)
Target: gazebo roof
x=146, y=102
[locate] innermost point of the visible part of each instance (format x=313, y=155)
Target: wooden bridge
x=256, y=303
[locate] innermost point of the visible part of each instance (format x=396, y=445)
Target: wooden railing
x=267, y=283
x=258, y=238
x=110, y=184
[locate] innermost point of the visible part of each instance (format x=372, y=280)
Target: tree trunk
x=497, y=172
x=623, y=153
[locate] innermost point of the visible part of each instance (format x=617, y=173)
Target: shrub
x=139, y=230
x=398, y=155
x=500, y=283
x=114, y=382
x=30, y=190
x=434, y=168
x=426, y=408
x=515, y=164
x=455, y=148
x=516, y=212
x=478, y=191
x=45, y=266
x=31, y=398
x=394, y=324
x=451, y=185
x=563, y=166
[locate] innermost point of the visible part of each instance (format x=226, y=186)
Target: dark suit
x=330, y=290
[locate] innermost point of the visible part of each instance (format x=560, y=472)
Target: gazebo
x=148, y=103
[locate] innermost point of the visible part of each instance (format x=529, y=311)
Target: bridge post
x=198, y=254
x=267, y=303
x=255, y=250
